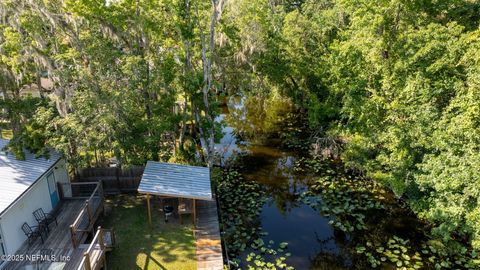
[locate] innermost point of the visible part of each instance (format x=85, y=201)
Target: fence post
x=89, y=213
x=117, y=174
x=73, y=235
x=88, y=265
x=100, y=236
x=102, y=195
x=100, y=188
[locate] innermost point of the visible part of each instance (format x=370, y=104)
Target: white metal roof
x=16, y=176
x=175, y=180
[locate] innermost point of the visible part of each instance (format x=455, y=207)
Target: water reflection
x=300, y=228
x=286, y=218
x=249, y=129
x=259, y=119
x=228, y=144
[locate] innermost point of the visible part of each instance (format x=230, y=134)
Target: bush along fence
x=115, y=180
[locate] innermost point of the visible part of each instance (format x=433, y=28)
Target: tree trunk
x=183, y=128
x=209, y=134
x=186, y=72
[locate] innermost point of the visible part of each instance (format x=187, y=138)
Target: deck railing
x=89, y=213
x=94, y=256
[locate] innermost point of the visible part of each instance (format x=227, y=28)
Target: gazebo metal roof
x=175, y=180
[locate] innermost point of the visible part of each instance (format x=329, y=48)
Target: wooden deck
x=94, y=257
x=58, y=242
x=63, y=247
x=209, y=247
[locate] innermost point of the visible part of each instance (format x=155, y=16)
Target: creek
x=327, y=224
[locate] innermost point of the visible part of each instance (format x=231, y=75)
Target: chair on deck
x=185, y=206
x=32, y=232
x=44, y=219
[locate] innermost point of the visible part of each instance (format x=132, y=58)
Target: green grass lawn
x=139, y=246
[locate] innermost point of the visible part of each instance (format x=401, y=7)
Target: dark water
x=312, y=241
x=284, y=216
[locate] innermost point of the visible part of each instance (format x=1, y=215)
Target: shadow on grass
x=155, y=262
x=169, y=246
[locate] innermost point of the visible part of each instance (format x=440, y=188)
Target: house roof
x=17, y=176
x=175, y=180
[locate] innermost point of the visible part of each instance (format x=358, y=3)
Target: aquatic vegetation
x=437, y=255
x=345, y=198
x=262, y=251
x=397, y=251
x=240, y=205
x=402, y=254
x=349, y=199
x=241, y=202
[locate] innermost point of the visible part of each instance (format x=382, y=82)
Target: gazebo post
x=178, y=209
x=149, y=210
x=194, y=214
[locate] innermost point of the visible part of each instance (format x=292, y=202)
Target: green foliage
x=28, y=134
x=408, y=102
x=259, y=258
x=397, y=81
x=116, y=76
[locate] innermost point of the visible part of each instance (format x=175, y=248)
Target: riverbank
x=324, y=217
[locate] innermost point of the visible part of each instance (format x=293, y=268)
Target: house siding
x=37, y=196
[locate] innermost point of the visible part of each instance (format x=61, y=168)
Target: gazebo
x=176, y=181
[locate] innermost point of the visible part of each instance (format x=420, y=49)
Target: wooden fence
x=114, y=180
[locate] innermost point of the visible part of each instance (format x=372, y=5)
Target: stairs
x=109, y=239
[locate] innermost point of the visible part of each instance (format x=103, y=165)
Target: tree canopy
x=397, y=82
